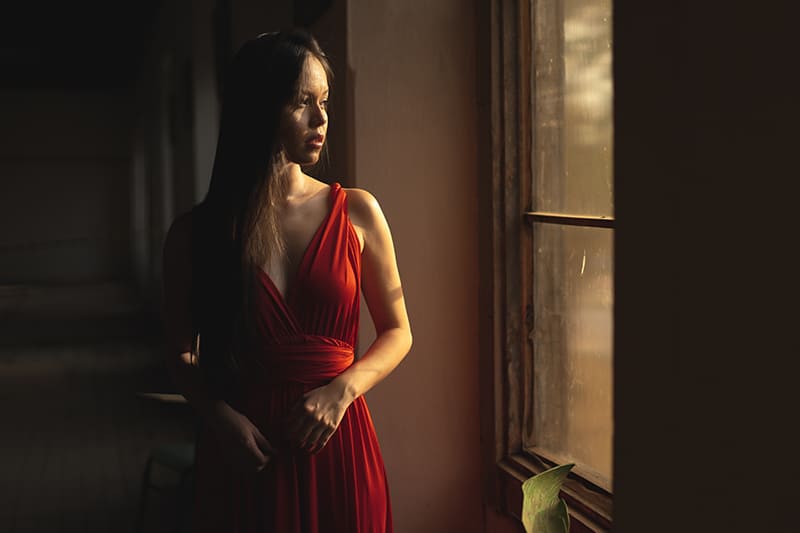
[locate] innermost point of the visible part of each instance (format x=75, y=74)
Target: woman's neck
x=296, y=183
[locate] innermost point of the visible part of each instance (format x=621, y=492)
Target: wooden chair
x=179, y=458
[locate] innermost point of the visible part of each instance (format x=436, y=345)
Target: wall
x=176, y=131
x=205, y=117
x=331, y=32
x=152, y=184
x=64, y=159
x=413, y=83
x=706, y=303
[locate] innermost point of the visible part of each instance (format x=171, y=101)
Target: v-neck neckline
x=291, y=283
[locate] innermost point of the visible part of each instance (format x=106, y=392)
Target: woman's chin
x=304, y=158
x=309, y=161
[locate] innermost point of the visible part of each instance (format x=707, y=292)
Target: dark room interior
x=636, y=316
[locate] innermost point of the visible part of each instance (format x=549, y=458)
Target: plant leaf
x=542, y=510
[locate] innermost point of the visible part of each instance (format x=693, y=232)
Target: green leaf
x=542, y=510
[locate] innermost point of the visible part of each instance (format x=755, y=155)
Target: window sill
x=589, y=505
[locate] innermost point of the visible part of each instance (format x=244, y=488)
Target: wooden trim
x=525, y=184
x=491, y=258
x=512, y=153
x=570, y=220
x=541, y=455
x=588, y=504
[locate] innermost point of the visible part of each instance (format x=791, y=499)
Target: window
x=569, y=407
x=551, y=202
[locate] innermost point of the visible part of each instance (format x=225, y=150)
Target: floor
x=75, y=432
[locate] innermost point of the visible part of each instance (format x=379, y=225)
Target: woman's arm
x=318, y=416
x=383, y=293
x=182, y=363
x=249, y=449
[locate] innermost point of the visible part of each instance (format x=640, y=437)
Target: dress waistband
x=311, y=359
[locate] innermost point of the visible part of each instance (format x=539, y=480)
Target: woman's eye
x=307, y=101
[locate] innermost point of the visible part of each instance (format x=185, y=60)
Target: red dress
x=304, y=341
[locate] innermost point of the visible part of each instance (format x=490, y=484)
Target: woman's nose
x=319, y=116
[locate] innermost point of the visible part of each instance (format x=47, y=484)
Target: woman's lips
x=316, y=142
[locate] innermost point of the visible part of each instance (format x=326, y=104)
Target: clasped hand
x=310, y=424
x=315, y=418
x=246, y=447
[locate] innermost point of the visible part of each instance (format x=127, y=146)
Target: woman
x=262, y=286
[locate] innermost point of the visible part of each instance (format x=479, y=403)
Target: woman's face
x=304, y=122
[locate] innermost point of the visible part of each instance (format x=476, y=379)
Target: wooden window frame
x=504, y=91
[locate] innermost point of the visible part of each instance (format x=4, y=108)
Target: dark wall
x=64, y=180
x=706, y=342
x=67, y=73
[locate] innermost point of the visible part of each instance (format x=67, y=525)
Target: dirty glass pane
x=571, y=344
x=572, y=106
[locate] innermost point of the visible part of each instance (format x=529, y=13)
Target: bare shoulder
x=363, y=208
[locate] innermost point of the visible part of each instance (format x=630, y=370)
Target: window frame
x=504, y=98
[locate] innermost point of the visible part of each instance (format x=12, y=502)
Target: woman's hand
x=315, y=418
x=245, y=445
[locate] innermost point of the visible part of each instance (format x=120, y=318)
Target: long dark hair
x=235, y=228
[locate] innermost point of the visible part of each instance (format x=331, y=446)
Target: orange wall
x=413, y=83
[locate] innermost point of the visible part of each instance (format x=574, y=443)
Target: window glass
x=571, y=345
x=572, y=106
